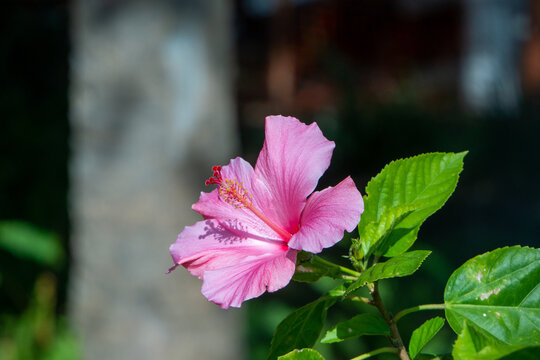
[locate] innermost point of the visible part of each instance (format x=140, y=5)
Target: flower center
x=230, y=191
x=233, y=192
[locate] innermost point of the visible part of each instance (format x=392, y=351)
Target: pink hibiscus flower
x=257, y=219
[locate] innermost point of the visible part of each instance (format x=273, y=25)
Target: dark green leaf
x=499, y=293
x=476, y=344
x=28, y=242
x=399, y=266
x=303, y=354
x=528, y=353
x=300, y=329
x=421, y=336
x=416, y=187
x=363, y=324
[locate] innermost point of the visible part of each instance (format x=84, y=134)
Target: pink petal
x=326, y=215
x=293, y=158
x=212, y=207
x=232, y=285
x=234, y=264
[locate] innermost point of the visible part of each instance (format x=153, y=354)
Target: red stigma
x=216, y=178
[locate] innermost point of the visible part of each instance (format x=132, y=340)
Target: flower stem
x=359, y=299
x=404, y=312
x=343, y=269
x=376, y=352
x=394, y=332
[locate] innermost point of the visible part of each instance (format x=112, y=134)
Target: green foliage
x=310, y=270
x=402, y=196
x=303, y=354
x=300, y=329
x=363, y=324
x=374, y=232
x=64, y=347
x=528, y=353
x=28, y=242
x=499, y=293
x=37, y=333
x=475, y=344
x=492, y=301
x=421, y=336
x=399, y=266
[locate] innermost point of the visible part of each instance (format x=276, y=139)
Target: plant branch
x=376, y=352
x=404, y=312
x=343, y=269
x=394, y=332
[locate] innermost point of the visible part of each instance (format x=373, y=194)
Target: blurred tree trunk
x=151, y=111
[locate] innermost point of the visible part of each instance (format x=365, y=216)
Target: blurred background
x=114, y=111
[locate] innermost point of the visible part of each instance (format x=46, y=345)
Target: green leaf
x=399, y=266
x=303, y=354
x=309, y=270
x=363, y=324
x=470, y=342
x=528, y=353
x=499, y=293
x=421, y=336
x=475, y=344
x=300, y=329
x=28, y=242
x=378, y=231
x=417, y=187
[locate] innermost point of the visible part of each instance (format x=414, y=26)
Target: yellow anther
x=234, y=193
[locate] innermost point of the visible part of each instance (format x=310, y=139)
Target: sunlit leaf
x=377, y=231
x=399, y=266
x=419, y=185
x=363, y=324
x=498, y=293
x=29, y=242
x=302, y=354
x=421, y=336
x=300, y=329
